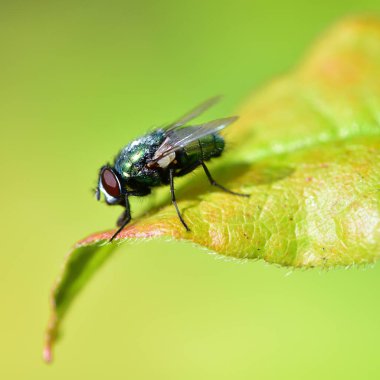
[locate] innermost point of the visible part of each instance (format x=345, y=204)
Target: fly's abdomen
x=202, y=150
x=211, y=146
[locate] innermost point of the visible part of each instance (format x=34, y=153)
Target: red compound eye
x=110, y=183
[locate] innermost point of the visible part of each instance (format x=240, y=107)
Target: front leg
x=124, y=216
x=124, y=219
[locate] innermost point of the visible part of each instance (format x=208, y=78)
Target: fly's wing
x=193, y=113
x=179, y=138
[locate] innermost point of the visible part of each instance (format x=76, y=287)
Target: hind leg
x=214, y=183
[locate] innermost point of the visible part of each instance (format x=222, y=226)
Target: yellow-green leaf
x=307, y=149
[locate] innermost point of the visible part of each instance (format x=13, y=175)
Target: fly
x=156, y=158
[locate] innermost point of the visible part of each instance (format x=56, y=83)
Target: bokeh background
x=79, y=79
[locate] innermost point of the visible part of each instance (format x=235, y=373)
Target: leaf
x=307, y=150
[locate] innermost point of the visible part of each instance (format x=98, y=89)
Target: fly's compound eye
x=110, y=183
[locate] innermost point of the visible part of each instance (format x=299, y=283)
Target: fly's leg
x=171, y=177
x=212, y=180
x=124, y=219
x=214, y=183
x=124, y=216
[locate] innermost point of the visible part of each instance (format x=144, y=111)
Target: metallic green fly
x=157, y=157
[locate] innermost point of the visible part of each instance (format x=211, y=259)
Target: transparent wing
x=179, y=138
x=194, y=113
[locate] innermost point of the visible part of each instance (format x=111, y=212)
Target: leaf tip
x=47, y=354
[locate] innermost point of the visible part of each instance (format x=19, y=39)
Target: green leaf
x=306, y=148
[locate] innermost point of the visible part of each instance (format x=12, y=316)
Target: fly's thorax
x=131, y=161
x=133, y=157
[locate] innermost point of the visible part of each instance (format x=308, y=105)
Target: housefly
x=157, y=157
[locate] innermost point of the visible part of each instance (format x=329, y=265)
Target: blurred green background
x=79, y=79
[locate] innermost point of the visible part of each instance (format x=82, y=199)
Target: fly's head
x=110, y=185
